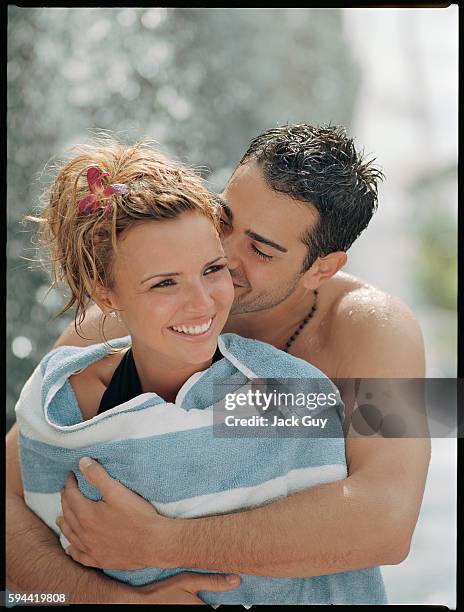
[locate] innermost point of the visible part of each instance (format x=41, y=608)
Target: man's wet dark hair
x=320, y=165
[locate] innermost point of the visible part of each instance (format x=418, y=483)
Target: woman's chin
x=200, y=354
x=196, y=352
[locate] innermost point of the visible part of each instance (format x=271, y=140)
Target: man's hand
x=363, y=521
x=182, y=589
x=112, y=533
x=35, y=560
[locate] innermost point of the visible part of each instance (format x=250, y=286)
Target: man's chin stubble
x=264, y=301
x=239, y=307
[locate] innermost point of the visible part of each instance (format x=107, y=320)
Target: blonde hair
x=82, y=245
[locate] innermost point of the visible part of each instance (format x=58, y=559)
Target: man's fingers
x=69, y=515
x=97, y=476
x=206, y=582
x=194, y=600
x=71, y=482
x=81, y=557
x=183, y=588
x=70, y=534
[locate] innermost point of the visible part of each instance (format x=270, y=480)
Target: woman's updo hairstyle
x=82, y=241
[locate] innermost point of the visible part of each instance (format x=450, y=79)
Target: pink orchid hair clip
x=98, y=192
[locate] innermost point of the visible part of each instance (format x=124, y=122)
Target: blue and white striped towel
x=167, y=453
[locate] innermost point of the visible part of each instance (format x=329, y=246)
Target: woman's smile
x=199, y=329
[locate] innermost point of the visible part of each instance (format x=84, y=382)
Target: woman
x=138, y=235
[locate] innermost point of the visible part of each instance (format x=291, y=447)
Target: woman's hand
x=118, y=532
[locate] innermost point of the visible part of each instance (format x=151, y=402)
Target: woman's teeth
x=195, y=330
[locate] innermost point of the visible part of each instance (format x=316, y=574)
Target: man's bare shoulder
x=361, y=307
x=374, y=332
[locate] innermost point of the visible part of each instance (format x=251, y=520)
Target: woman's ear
x=323, y=269
x=105, y=299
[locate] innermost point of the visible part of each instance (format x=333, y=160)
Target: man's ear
x=323, y=269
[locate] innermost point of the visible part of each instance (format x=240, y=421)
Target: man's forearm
x=36, y=562
x=307, y=534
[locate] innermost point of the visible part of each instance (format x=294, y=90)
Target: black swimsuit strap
x=125, y=382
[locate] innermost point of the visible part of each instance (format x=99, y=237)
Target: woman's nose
x=200, y=300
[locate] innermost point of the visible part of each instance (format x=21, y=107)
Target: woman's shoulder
x=88, y=369
x=90, y=384
x=67, y=359
x=266, y=360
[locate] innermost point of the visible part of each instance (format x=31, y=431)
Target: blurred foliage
x=435, y=228
x=203, y=82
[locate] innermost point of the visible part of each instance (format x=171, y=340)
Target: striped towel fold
x=177, y=457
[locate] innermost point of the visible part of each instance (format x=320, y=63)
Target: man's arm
x=36, y=562
x=90, y=330
x=362, y=521
x=366, y=520
x=35, y=558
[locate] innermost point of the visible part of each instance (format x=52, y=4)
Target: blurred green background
x=201, y=82
x=204, y=82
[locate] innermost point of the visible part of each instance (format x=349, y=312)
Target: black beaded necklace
x=309, y=316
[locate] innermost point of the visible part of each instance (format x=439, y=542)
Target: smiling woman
x=112, y=216
x=174, y=318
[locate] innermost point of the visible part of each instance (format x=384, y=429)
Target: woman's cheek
x=162, y=308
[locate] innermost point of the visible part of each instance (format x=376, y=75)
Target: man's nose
x=231, y=251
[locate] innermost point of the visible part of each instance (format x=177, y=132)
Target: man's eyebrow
x=253, y=235
x=225, y=207
x=271, y=243
x=178, y=273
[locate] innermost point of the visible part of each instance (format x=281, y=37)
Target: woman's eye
x=260, y=254
x=212, y=269
x=166, y=283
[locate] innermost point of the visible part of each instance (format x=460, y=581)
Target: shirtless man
x=298, y=199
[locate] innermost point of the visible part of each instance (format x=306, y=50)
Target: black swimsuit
x=125, y=382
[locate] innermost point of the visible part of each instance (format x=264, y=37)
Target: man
x=298, y=199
